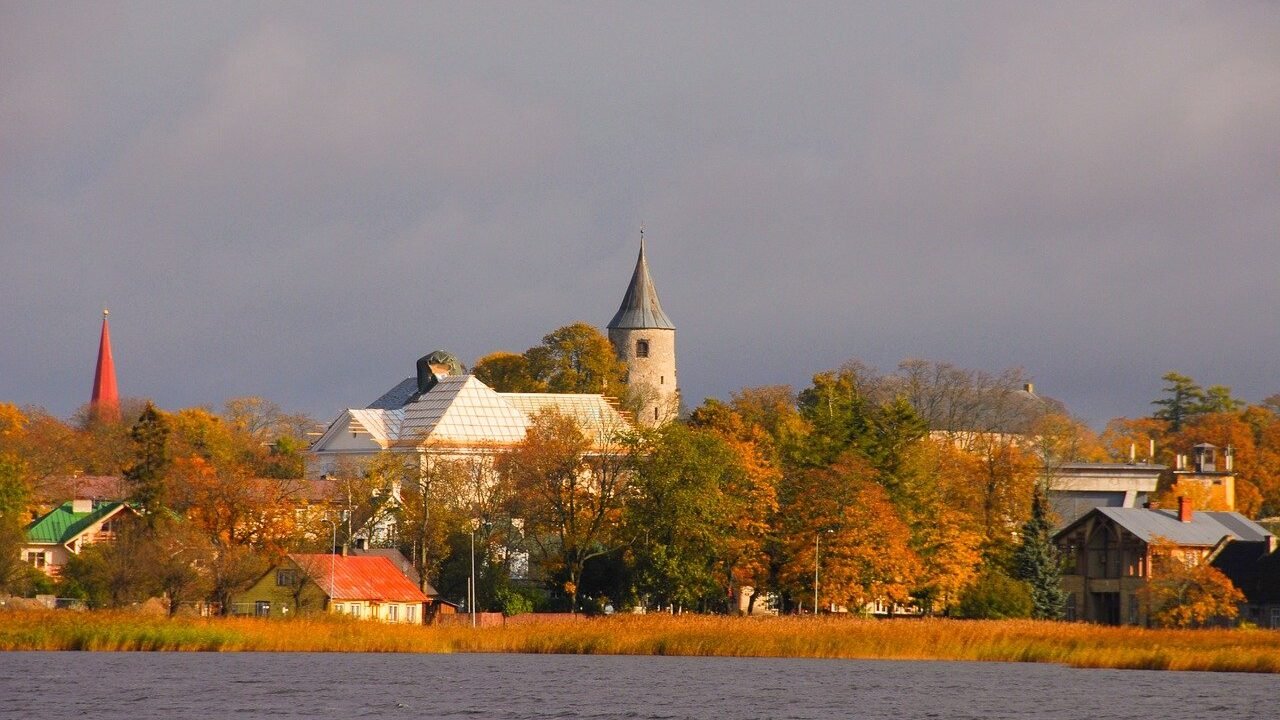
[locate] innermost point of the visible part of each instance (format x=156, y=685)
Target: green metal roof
x=62, y=525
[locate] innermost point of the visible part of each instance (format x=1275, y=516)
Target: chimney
x=1029, y=388
x=1133, y=453
x=1184, y=509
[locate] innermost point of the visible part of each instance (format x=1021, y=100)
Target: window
x=662, y=379
x=262, y=608
x=1133, y=609
x=1275, y=618
x=1070, y=614
x=285, y=578
x=36, y=558
x=393, y=612
x=642, y=348
x=339, y=609
x=655, y=413
x=411, y=613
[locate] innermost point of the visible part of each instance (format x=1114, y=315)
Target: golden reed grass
x=1076, y=645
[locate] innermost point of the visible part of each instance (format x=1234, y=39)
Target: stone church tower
x=645, y=339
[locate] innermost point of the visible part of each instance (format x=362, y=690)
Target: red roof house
x=366, y=587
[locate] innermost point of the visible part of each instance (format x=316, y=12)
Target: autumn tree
x=109, y=575
x=569, y=487
x=175, y=559
x=439, y=496
x=1187, y=594
x=1137, y=435
x=507, y=372
x=577, y=358
x=366, y=495
x=862, y=545
x=941, y=509
x=680, y=519
x=750, y=554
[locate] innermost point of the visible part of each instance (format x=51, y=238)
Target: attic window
x=642, y=348
x=285, y=578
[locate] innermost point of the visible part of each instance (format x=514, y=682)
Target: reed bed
x=1076, y=645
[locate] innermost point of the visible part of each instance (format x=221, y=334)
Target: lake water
x=140, y=686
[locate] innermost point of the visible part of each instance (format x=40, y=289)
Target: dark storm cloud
x=297, y=200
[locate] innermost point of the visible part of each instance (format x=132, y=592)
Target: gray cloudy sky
x=298, y=200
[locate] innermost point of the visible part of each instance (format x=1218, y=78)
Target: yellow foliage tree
x=1188, y=595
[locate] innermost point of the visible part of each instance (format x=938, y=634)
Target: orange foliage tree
x=1184, y=593
x=570, y=491
x=862, y=545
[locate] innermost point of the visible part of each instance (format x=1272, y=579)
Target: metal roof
x=61, y=525
x=359, y=578
x=460, y=409
x=640, y=308
x=382, y=425
x=396, y=397
x=594, y=413
x=1206, y=527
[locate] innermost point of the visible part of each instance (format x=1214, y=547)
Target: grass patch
x=1076, y=645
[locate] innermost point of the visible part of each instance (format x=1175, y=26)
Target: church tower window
x=642, y=348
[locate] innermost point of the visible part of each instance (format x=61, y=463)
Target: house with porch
x=1109, y=550
x=70, y=527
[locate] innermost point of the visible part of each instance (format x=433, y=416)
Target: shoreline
x=1071, y=644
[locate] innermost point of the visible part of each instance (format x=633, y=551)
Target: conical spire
x=640, y=307
x=105, y=403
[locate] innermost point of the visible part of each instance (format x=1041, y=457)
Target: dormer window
x=642, y=348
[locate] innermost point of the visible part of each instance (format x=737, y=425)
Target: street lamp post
x=471, y=587
x=472, y=591
x=333, y=551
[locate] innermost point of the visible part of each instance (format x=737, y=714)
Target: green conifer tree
x=146, y=477
x=1036, y=562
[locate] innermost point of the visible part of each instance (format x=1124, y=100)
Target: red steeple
x=105, y=403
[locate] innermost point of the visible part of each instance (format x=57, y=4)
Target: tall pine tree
x=146, y=477
x=1036, y=562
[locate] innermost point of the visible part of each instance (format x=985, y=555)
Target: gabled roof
x=640, y=307
x=62, y=525
x=382, y=425
x=373, y=578
x=461, y=410
x=1205, y=529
